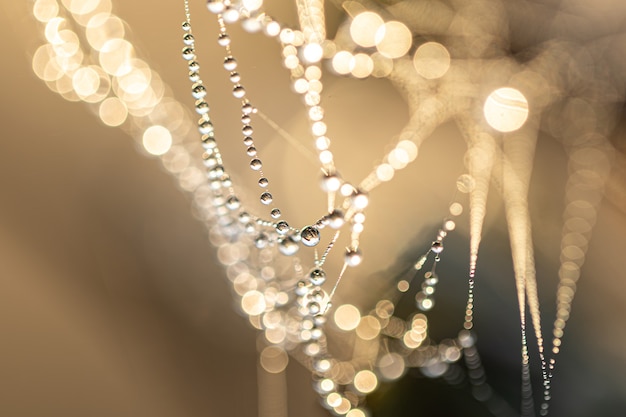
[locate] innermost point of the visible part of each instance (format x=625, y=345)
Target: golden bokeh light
x=362, y=66
x=347, y=317
x=85, y=81
x=45, y=10
x=343, y=62
x=506, y=109
x=394, y=39
x=365, y=381
x=157, y=140
x=116, y=57
x=431, y=60
x=113, y=111
x=81, y=7
x=369, y=328
x=274, y=359
x=103, y=27
x=363, y=28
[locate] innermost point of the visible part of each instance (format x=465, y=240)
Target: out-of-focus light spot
x=368, y=328
x=431, y=60
x=252, y=5
x=456, y=209
x=362, y=66
x=327, y=385
x=68, y=44
x=343, y=62
x=506, y=109
x=384, y=309
x=347, y=317
x=365, y=381
x=393, y=39
x=398, y=158
x=344, y=407
x=363, y=28
x=85, y=81
x=382, y=65
x=274, y=359
x=137, y=80
x=384, y=172
x=116, y=56
x=81, y=7
x=333, y=399
x=103, y=27
x=44, y=66
x=391, y=366
x=356, y=412
x=253, y=303
x=45, y=10
x=157, y=140
x=465, y=183
x=313, y=52
x=403, y=286
x=51, y=32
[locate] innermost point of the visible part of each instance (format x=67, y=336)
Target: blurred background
x=112, y=302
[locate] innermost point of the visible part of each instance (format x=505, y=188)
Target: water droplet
x=261, y=241
x=194, y=66
x=205, y=127
x=216, y=6
x=310, y=236
x=431, y=278
x=353, y=257
x=202, y=107
x=302, y=288
x=256, y=165
x=248, y=141
x=232, y=203
x=194, y=76
x=230, y=63
x=335, y=219
x=275, y=213
x=245, y=119
x=251, y=151
x=247, y=108
x=247, y=130
x=239, y=91
x=189, y=53
x=198, y=91
x=437, y=247
x=235, y=77
x=188, y=39
x=288, y=246
x=266, y=198
x=282, y=227
x=208, y=142
x=317, y=276
x=223, y=39
x=186, y=26
x=263, y=182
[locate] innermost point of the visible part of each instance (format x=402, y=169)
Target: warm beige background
x=110, y=300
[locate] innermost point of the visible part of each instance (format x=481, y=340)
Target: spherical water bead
x=353, y=257
x=198, y=91
x=266, y=198
x=359, y=200
x=189, y=53
x=194, y=66
x=244, y=217
x=302, y=288
x=209, y=161
x=247, y=130
x=233, y=203
x=263, y=182
x=331, y=183
x=230, y=63
x=261, y=241
x=188, y=39
x=234, y=77
x=437, y=247
x=313, y=308
x=251, y=151
x=335, y=219
x=245, y=119
x=431, y=278
x=205, y=127
x=256, y=165
x=208, y=142
x=275, y=213
x=186, y=26
x=239, y=91
x=194, y=76
x=202, y=107
x=310, y=236
x=223, y=39
x=247, y=108
x=282, y=227
x=216, y=6
x=288, y=247
x=216, y=172
x=465, y=183
x=248, y=141
x=317, y=276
